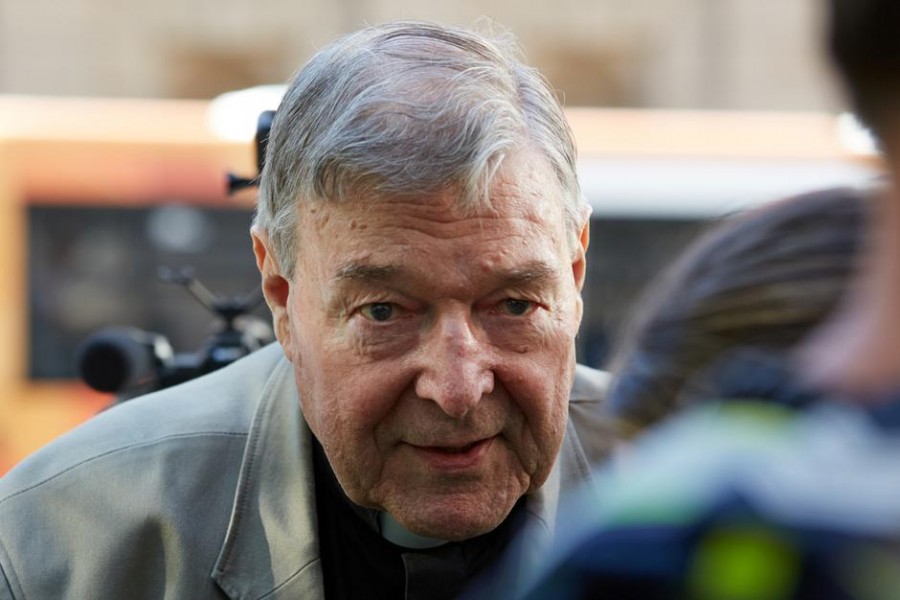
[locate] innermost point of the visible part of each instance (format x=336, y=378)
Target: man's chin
x=452, y=519
x=453, y=530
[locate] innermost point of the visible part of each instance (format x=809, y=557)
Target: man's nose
x=456, y=367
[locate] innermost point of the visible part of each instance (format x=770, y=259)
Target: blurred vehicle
x=97, y=194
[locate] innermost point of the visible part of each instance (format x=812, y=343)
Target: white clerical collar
x=396, y=533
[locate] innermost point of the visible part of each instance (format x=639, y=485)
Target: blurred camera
x=130, y=362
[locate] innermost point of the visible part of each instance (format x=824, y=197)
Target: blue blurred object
x=739, y=500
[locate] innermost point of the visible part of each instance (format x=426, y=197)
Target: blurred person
x=421, y=239
x=763, y=279
x=747, y=499
x=857, y=353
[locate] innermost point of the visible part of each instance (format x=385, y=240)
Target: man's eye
x=517, y=308
x=378, y=311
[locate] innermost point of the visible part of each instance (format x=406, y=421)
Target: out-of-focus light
x=854, y=136
x=233, y=115
x=179, y=228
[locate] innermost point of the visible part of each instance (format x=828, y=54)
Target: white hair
x=408, y=108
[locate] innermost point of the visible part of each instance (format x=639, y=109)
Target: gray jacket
x=201, y=491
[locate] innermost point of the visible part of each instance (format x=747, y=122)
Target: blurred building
x=710, y=54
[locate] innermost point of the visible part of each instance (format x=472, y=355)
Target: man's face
x=434, y=349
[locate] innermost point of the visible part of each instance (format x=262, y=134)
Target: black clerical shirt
x=357, y=562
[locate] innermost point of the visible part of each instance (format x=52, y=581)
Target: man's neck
x=856, y=352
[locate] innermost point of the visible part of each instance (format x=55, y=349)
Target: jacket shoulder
x=587, y=413
x=218, y=405
x=590, y=385
x=145, y=481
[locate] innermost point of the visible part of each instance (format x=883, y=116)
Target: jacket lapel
x=271, y=546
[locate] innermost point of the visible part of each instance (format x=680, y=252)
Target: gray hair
x=408, y=108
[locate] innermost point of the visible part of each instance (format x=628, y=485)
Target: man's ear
x=276, y=288
x=579, y=256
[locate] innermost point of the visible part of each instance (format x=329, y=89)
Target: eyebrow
x=530, y=272
x=363, y=272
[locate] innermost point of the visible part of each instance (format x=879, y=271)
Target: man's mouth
x=456, y=449
x=455, y=456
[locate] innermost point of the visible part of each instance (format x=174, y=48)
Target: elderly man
x=421, y=239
